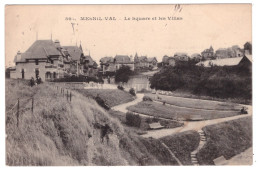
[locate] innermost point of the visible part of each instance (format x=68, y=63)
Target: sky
x=201, y=26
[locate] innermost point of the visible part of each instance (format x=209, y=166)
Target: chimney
x=18, y=56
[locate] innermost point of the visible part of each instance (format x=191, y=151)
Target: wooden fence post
x=17, y=114
x=70, y=96
x=32, y=105
x=67, y=95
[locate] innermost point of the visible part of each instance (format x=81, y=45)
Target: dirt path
x=122, y=107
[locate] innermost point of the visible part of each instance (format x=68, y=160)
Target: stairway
x=193, y=154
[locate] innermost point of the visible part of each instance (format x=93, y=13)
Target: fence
x=65, y=92
x=18, y=108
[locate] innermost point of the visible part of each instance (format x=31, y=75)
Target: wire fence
x=27, y=104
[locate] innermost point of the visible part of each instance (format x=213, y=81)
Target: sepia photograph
x=128, y=85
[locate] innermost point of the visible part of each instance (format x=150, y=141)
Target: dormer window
x=36, y=62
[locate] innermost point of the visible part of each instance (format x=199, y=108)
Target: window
x=36, y=62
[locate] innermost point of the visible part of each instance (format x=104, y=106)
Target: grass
x=182, y=145
x=188, y=94
x=112, y=97
x=171, y=112
x=62, y=133
x=226, y=139
x=196, y=103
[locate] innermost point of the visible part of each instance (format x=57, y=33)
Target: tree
x=123, y=74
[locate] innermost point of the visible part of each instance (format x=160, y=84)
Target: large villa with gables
x=49, y=60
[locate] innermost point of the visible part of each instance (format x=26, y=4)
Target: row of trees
x=221, y=82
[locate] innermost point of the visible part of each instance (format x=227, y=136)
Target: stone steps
x=193, y=155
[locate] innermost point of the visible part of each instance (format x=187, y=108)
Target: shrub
x=132, y=92
x=133, y=119
x=102, y=103
x=147, y=98
x=120, y=87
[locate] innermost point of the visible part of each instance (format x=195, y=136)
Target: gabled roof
x=151, y=59
x=74, y=51
x=123, y=59
x=106, y=60
x=90, y=60
x=39, y=49
x=222, y=62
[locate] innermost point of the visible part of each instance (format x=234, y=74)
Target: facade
x=196, y=57
x=152, y=62
x=230, y=52
x=48, y=60
x=145, y=62
x=125, y=60
x=42, y=59
x=107, y=64
x=208, y=54
x=181, y=56
x=172, y=61
x=111, y=65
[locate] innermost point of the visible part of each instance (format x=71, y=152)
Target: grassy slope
x=111, y=97
x=156, y=109
x=58, y=133
x=227, y=139
x=182, y=145
x=199, y=104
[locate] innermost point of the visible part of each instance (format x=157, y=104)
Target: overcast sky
x=201, y=26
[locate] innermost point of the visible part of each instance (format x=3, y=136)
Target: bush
x=120, y=87
x=146, y=98
x=132, y=92
x=133, y=119
x=102, y=103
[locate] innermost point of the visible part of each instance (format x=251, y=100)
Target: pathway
x=193, y=154
x=193, y=125
x=122, y=107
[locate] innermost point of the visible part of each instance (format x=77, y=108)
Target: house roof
x=180, y=54
x=165, y=59
x=91, y=61
x=249, y=57
x=39, y=49
x=123, y=59
x=221, y=62
x=106, y=60
x=195, y=55
x=74, y=51
x=151, y=59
